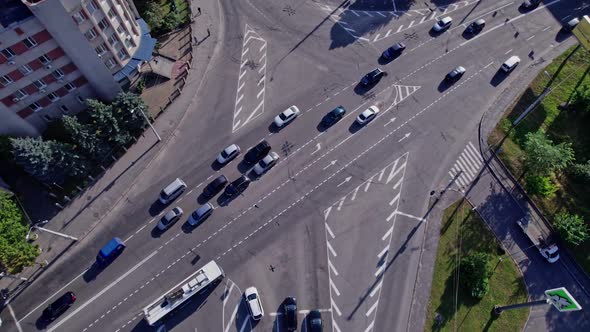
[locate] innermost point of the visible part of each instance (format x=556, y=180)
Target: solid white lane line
x=232, y=317
x=228, y=293
x=16, y=322
x=104, y=290
x=327, y=213
x=244, y=325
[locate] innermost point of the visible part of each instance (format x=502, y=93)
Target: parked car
x=394, y=50
x=334, y=116
x=266, y=163
x=215, y=186
x=254, y=304
x=455, y=74
x=442, y=24
x=372, y=77
x=571, y=24
x=59, y=306
x=200, y=214
x=110, y=251
x=257, y=152
x=290, y=312
x=237, y=186
x=314, y=321
x=510, y=64
x=476, y=27
x=228, y=154
x=530, y=4
x=367, y=115
x=170, y=218
x=286, y=116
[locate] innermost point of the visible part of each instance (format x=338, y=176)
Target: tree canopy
x=543, y=157
x=15, y=252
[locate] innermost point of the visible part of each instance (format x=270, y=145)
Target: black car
x=215, y=186
x=290, y=307
x=373, y=77
x=476, y=27
x=238, y=186
x=59, y=306
x=314, y=321
x=530, y=4
x=334, y=116
x=394, y=50
x=455, y=74
x=258, y=152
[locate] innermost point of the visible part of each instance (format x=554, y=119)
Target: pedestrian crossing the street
x=466, y=167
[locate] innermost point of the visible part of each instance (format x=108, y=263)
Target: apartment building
x=54, y=54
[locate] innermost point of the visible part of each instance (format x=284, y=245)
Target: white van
x=510, y=64
x=172, y=191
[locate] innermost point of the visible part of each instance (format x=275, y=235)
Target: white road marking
x=327, y=212
x=332, y=267
x=232, y=317
x=335, y=308
x=334, y=287
x=373, y=307
x=510, y=50
x=409, y=215
x=247, y=320
x=379, y=255
x=376, y=288
x=16, y=322
x=387, y=233
x=354, y=193
x=370, y=327
x=531, y=37
x=329, y=230
x=331, y=249
x=547, y=28
x=380, y=270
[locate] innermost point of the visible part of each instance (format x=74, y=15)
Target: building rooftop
x=12, y=11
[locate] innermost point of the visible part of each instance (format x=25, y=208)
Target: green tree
x=105, y=124
x=153, y=15
x=543, y=157
x=540, y=185
x=126, y=109
x=48, y=161
x=15, y=252
x=571, y=227
x=581, y=98
x=582, y=172
x=85, y=138
x=475, y=274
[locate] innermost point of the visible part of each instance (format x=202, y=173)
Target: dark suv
x=215, y=186
x=59, y=306
x=373, y=77
x=258, y=152
x=238, y=186
x=334, y=116
x=290, y=307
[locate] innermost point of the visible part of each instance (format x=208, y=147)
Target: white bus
x=179, y=294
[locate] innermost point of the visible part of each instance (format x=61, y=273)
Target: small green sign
x=562, y=299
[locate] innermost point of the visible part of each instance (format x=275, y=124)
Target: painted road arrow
x=345, y=180
x=403, y=138
x=332, y=163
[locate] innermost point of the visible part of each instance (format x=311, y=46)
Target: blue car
x=333, y=116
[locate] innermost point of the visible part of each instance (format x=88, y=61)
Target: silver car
x=286, y=116
x=170, y=218
x=228, y=154
x=266, y=163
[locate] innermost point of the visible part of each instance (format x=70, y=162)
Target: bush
x=581, y=98
x=171, y=21
x=15, y=252
x=475, y=274
x=581, y=172
x=571, y=227
x=540, y=185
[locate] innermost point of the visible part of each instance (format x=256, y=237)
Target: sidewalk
x=87, y=211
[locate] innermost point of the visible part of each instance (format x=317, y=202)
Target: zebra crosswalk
x=466, y=167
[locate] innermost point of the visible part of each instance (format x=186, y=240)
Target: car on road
x=367, y=115
x=254, y=304
x=476, y=27
x=290, y=312
x=200, y=214
x=571, y=24
x=109, y=252
x=373, y=77
x=228, y=154
x=333, y=116
x=170, y=218
x=530, y=4
x=510, y=64
x=257, y=152
x=215, y=186
x=237, y=186
x=442, y=24
x=455, y=74
x=394, y=50
x=266, y=163
x=59, y=306
x=314, y=321
x=286, y=116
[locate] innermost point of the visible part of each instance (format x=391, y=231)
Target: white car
x=254, y=304
x=367, y=115
x=442, y=24
x=286, y=116
x=266, y=163
x=228, y=154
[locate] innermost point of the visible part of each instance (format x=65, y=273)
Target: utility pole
x=148, y=122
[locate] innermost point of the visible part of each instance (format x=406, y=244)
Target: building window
x=64, y=108
x=58, y=74
x=120, y=29
x=70, y=87
x=129, y=43
x=91, y=7
x=110, y=63
x=25, y=69
x=79, y=17
x=8, y=53
x=40, y=84
x=20, y=94
x=5, y=80
x=30, y=42
x=111, y=13
x=80, y=99
x=48, y=117
x=101, y=49
x=122, y=54
x=44, y=59
x=53, y=96
x=35, y=107
x=113, y=40
x=90, y=34
x=103, y=24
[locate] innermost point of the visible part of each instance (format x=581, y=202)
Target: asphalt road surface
x=339, y=221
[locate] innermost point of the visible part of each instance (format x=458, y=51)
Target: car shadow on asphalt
x=244, y=167
x=92, y=272
x=244, y=319
x=42, y=323
x=444, y=85
x=156, y=208
x=361, y=90
x=435, y=34
x=156, y=232
x=498, y=78
x=355, y=127
x=382, y=61
x=562, y=35
x=202, y=199
x=225, y=200
x=273, y=128
x=216, y=166
x=321, y=127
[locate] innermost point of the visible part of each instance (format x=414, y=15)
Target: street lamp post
x=148, y=122
x=27, y=237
